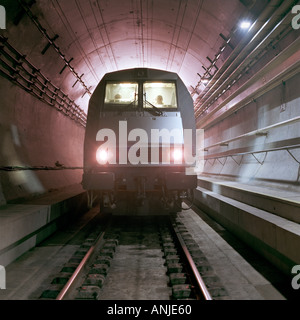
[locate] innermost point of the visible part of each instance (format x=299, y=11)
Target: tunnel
x=239, y=60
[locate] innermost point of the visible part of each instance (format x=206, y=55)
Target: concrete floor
x=145, y=273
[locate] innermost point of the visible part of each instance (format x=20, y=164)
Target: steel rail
x=191, y=262
x=80, y=267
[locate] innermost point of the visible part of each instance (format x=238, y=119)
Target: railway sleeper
x=103, y=260
x=197, y=253
x=201, y=260
x=165, y=236
x=99, y=269
x=69, y=267
x=81, y=252
x=88, y=292
x=61, y=278
x=181, y=291
x=214, y=286
x=168, y=245
x=186, y=236
x=110, y=244
x=167, y=241
x=177, y=278
x=182, y=229
x=172, y=258
x=192, y=246
x=217, y=292
x=114, y=241
x=204, y=268
x=107, y=252
x=52, y=291
x=75, y=259
x=211, y=280
x=87, y=244
x=112, y=235
x=94, y=279
x=170, y=251
x=174, y=267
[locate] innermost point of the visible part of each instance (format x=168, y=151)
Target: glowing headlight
x=177, y=155
x=102, y=156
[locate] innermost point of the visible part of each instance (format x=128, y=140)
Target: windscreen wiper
x=131, y=103
x=153, y=110
x=128, y=106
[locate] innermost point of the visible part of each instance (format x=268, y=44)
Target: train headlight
x=177, y=155
x=102, y=156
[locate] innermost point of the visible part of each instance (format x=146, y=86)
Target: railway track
x=134, y=258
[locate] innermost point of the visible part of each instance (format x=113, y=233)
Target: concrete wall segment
x=34, y=134
x=277, y=239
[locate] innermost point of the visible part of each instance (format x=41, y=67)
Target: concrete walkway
x=240, y=280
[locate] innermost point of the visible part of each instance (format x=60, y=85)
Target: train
x=140, y=143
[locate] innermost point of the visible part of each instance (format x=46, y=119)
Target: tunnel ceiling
x=92, y=37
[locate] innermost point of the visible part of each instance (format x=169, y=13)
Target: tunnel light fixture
x=245, y=25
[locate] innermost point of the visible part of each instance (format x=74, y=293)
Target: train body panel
x=136, y=150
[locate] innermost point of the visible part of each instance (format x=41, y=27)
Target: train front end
x=139, y=151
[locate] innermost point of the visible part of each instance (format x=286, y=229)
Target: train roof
x=140, y=73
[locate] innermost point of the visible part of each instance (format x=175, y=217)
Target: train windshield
x=160, y=95
x=121, y=94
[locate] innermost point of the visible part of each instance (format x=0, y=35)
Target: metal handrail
x=287, y=148
x=252, y=133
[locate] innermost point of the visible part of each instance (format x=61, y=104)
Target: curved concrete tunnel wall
x=176, y=36
x=34, y=134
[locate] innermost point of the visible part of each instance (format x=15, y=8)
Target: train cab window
x=121, y=94
x=160, y=94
